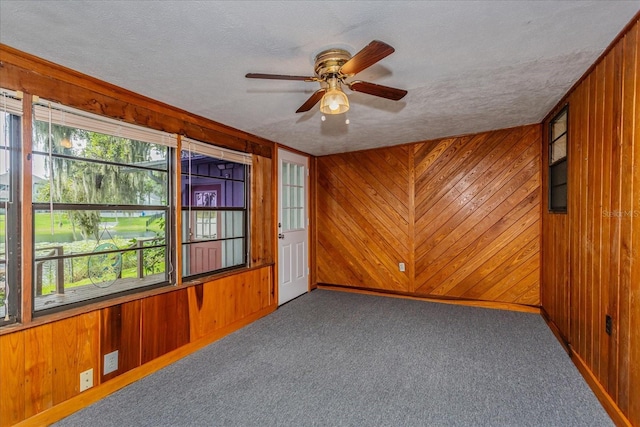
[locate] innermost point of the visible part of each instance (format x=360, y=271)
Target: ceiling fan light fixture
x=334, y=101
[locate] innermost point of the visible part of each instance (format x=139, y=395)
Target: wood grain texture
x=26, y=226
x=217, y=304
x=38, y=370
x=261, y=210
x=477, y=216
x=634, y=282
x=362, y=218
x=65, y=360
x=75, y=344
x=21, y=71
x=600, y=234
x=120, y=330
x=12, y=378
x=92, y=395
x=477, y=213
x=462, y=213
x=43, y=357
x=165, y=324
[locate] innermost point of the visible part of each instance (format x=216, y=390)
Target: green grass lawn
x=63, y=230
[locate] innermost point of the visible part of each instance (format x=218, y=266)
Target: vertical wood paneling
x=214, y=305
x=165, y=324
x=634, y=291
x=75, y=343
x=120, y=331
x=261, y=211
x=12, y=378
x=630, y=43
x=65, y=361
x=40, y=365
x=38, y=370
x=601, y=228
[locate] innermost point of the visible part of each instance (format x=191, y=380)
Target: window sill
x=53, y=317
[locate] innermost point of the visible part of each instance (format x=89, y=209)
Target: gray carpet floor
x=340, y=359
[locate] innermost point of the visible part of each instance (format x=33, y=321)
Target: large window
x=101, y=207
x=10, y=141
x=558, y=142
x=214, y=208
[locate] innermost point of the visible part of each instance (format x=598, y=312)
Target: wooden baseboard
x=90, y=396
x=465, y=302
x=605, y=399
x=556, y=331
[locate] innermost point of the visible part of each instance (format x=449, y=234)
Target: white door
x=293, y=221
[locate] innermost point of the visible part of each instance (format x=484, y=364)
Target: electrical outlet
x=608, y=325
x=401, y=266
x=110, y=362
x=86, y=379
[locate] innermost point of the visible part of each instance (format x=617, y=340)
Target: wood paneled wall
x=41, y=365
x=363, y=219
x=591, y=253
x=462, y=213
x=41, y=359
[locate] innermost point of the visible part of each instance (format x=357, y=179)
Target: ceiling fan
x=332, y=69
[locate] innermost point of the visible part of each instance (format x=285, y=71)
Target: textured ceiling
x=468, y=66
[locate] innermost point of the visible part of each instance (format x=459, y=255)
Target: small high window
x=558, y=142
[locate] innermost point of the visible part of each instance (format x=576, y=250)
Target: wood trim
x=293, y=150
x=275, y=167
x=586, y=74
x=177, y=199
x=58, y=72
x=605, y=399
x=411, y=191
x=49, y=318
x=454, y=301
x=84, y=399
x=313, y=233
x=22, y=71
x=556, y=331
x=26, y=252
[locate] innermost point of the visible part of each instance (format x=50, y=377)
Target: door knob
x=281, y=236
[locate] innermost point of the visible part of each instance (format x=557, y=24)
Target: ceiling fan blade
x=313, y=100
x=280, y=77
x=369, y=55
x=378, y=90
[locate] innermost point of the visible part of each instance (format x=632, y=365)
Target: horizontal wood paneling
x=462, y=213
x=600, y=235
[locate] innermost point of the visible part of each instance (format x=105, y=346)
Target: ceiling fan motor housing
x=329, y=62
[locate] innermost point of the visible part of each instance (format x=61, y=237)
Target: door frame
x=276, y=214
